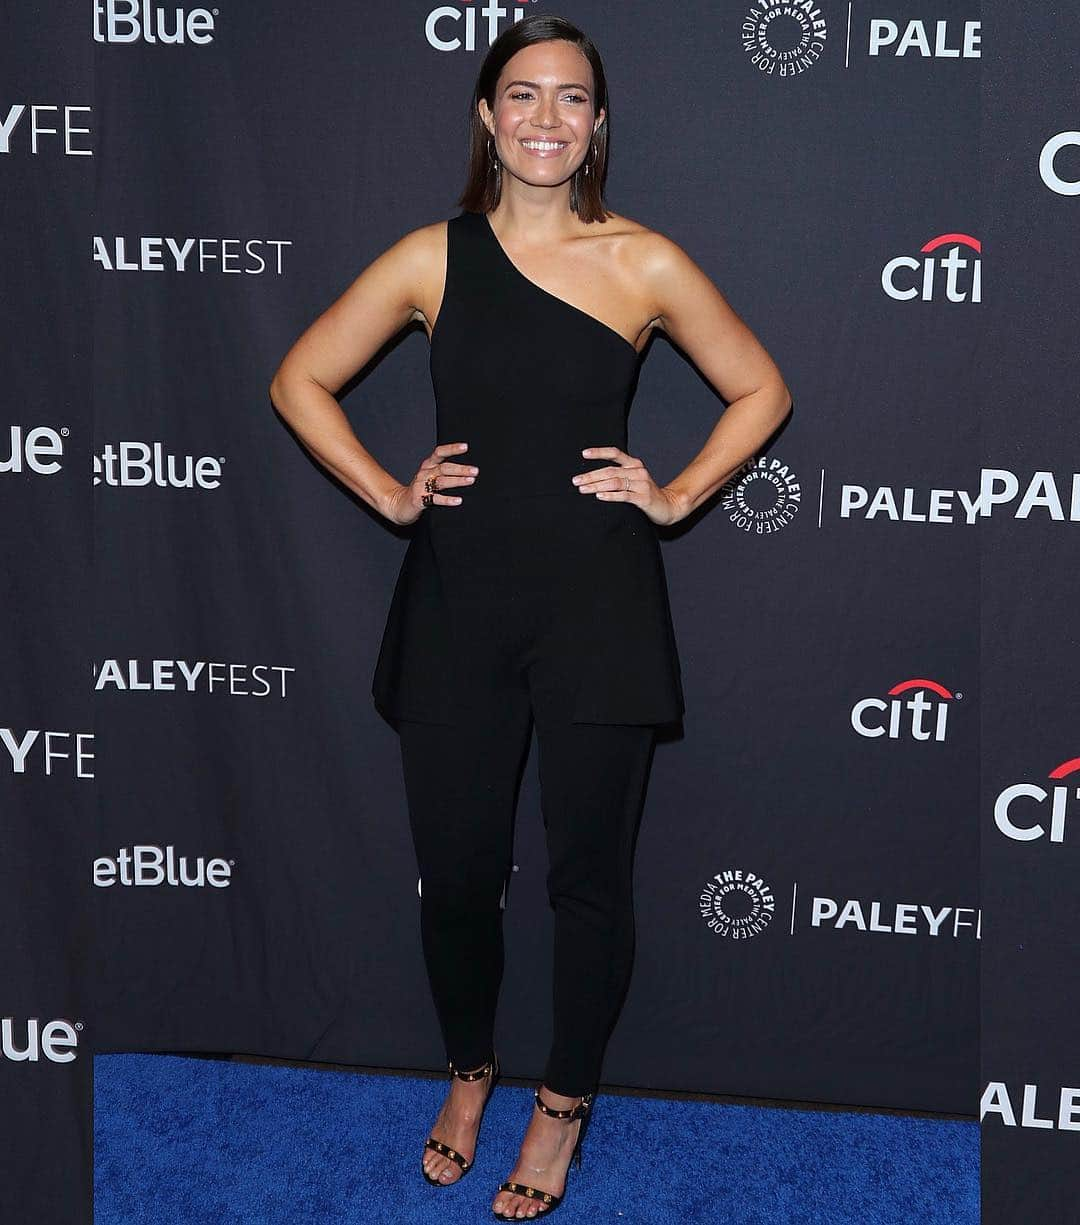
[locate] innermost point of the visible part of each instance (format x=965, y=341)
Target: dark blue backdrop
x=858, y=613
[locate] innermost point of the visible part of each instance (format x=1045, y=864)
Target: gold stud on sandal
x=490, y=1068
x=548, y=1199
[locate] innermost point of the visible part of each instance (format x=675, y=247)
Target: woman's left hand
x=628, y=480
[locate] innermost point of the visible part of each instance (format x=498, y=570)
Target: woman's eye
x=572, y=97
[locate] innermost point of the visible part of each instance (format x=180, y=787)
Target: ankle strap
x=480, y=1072
x=574, y=1112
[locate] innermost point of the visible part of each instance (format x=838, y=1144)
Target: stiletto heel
x=548, y=1200
x=492, y=1068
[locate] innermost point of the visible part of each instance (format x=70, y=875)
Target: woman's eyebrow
x=564, y=85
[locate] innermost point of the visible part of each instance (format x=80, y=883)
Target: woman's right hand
x=406, y=502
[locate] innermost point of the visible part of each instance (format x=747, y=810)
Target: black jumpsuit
x=528, y=601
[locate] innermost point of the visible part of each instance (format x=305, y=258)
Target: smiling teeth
x=543, y=144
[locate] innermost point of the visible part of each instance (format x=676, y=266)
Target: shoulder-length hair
x=484, y=182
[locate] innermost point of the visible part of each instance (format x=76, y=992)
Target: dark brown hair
x=484, y=184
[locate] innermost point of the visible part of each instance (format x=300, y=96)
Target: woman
x=533, y=588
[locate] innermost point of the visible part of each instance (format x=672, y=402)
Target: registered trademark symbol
x=232, y=863
x=64, y=431
x=78, y=1024
x=221, y=459
x=958, y=695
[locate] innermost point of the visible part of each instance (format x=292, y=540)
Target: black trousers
x=460, y=784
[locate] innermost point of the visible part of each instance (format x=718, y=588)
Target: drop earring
x=493, y=158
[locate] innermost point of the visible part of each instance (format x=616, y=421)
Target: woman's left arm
x=696, y=315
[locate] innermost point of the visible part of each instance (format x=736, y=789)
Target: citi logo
x=885, y=38
x=40, y=752
x=1047, y=163
x=140, y=463
x=1064, y=1102
x=900, y=918
x=39, y=449
x=1022, y=808
x=1042, y=494
x=55, y=1041
x=914, y=718
x=453, y=27
x=154, y=865
x=132, y=21
x=957, y=276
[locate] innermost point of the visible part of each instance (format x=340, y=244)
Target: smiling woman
x=533, y=588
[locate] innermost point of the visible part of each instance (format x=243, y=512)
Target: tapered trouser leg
x=592, y=779
x=460, y=783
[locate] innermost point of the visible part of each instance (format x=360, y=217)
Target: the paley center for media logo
x=739, y=904
x=762, y=496
x=736, y=904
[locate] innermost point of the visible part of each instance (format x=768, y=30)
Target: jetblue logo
x=155, y=865
x=133, y=21
x=30, y=1042
x=140, y=463
x=39, y=450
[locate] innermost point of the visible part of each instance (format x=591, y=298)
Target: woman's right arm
x=341, y=341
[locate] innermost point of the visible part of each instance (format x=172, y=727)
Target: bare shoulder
x=643, y=244
x=686, y=304
x=419, y=259
x=655, y=263
x=653, y=252
x=396, y=287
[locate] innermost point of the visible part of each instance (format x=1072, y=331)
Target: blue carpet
x=199, y=1140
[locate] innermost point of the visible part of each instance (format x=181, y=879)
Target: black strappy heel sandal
x=547, y=1199
x=439, y=1146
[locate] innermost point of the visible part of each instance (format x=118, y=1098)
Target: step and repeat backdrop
x=1029, y=625
x=205, y=823
x=48, y=748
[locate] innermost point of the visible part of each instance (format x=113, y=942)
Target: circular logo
x=737, y=904
x=763, y=496
x=782, y=38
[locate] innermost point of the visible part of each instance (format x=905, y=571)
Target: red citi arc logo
x=1021, y=809
x=918, y=717
x=956, y=274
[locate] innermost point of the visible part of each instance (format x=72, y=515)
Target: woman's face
x=544, y=94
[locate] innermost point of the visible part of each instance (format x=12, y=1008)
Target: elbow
x=274, y=390
x=786, y=402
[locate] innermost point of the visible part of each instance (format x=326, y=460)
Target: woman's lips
x=561, y=147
